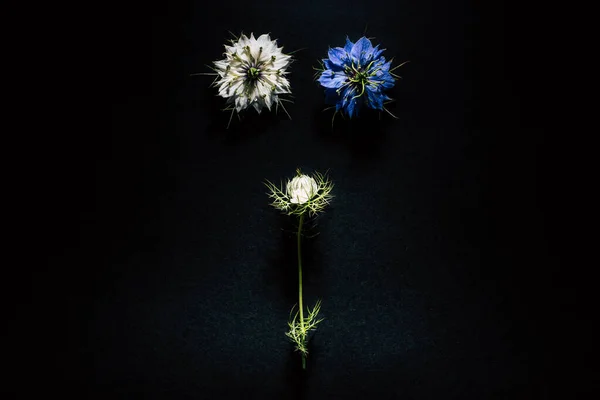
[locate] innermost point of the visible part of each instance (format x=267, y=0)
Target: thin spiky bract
x=298, y=332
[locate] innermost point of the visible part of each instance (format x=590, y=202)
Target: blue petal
x=373, y=55
x=344, y=95
x=383, y=79
x=375, y=97
x=348, y=46
x=360, y=50
x=369, y=54
x=354, y=106
x=350, y=107
x=388, y=81
x=338, y=56
x=332, y=80
x=379, y=64
x=328, y=64
x=377, y=52
x=349, y=103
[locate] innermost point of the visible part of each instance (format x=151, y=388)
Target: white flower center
x=301, y=188
x=253, y=73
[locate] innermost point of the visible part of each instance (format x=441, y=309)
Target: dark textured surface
x=170, y=277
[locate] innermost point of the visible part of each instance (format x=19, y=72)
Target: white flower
x=303, y=194
x=253, y=73
x=301, y=188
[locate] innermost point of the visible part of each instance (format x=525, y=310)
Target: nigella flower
x=303, y=195
x=253, y=73
x=356, y=76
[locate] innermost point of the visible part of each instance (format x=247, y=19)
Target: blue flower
x=356, y=76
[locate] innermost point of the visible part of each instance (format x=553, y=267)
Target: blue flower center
x=358, y=77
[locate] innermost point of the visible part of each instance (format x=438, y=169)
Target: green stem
x=301, y=306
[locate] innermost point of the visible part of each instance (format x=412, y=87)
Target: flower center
x=253, y=73
x=358, y=77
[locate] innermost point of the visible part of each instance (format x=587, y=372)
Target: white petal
x=263, y=39
x=243, y=40
x=255, y=51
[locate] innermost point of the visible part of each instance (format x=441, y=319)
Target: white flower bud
x=303, y=194
x=301, y=188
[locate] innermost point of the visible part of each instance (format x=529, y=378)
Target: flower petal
x=338, y=56
x=328, y=64
x=377, y=52
x=375, y=97
x=385, y=66
x=352, y=107
x=263, y=39
x=360, y=50
x=348, y=46
x=383, y=79
x=333, y=80
x=349, y=103
x=257, y=106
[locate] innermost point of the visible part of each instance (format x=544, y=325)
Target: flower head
x=253, y=73
x=301, y=188
x=302, y=194
x=356, y=76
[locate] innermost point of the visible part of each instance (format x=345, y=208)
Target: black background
x=168, y=275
